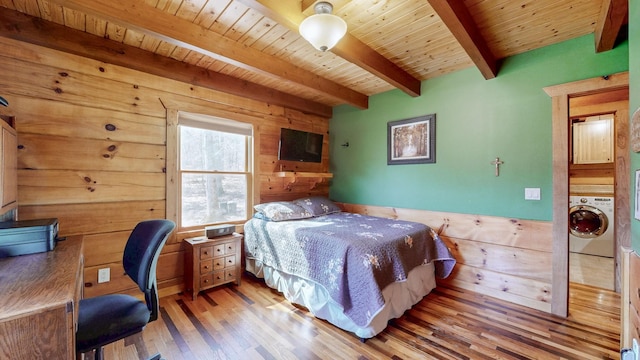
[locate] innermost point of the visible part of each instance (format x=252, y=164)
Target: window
x=214, y=165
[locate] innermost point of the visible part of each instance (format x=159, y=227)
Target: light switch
x=532, y=193
x=104, y=275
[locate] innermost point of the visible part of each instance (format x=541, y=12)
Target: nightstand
x=212, y=262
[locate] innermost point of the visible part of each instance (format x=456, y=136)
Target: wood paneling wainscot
x=630, y=297
x=92, y=151
x=504, y=258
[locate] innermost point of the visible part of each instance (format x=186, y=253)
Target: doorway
x=560, y=95
x=595, y=132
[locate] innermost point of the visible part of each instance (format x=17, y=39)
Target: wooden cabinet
x=212, y=262
x=39, y=296
x=593, y=140
x=9, y=168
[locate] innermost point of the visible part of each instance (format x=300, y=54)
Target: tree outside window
x=214, y=175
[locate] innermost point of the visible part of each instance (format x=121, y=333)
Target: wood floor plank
x=254, y=322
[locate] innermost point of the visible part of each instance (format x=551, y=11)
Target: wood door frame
x=560, y=95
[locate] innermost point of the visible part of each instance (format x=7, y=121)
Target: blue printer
x=27, y=236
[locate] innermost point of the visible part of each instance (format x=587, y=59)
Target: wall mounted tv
x=296, y=145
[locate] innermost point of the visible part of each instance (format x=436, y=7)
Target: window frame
x=174, y=177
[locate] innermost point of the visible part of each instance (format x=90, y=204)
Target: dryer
x=591, y=225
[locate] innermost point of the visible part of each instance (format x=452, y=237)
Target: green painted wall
x=476, y=120
x=634, y=103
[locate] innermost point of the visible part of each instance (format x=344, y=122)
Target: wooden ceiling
x=252, y=47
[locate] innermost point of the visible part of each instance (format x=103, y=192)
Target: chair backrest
x=141, y=254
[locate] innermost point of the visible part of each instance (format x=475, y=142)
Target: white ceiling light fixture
x=323, y=30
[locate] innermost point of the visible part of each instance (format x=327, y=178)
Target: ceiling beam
x=457, y=18
x=307, y=6
x=292, y=13
x=149, y=20
x=25, y=28
x=612, y=16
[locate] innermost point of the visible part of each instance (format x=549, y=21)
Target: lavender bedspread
x=353, y=256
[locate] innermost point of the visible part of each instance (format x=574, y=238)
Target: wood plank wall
x=100, y=180
x=505, y=258
x=100, y=183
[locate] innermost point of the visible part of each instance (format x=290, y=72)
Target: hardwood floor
x=254, y=322
x=592, y=270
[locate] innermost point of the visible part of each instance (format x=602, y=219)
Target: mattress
x=398, y=296
x=354, y=270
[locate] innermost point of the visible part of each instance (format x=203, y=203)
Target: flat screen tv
x=296, y=145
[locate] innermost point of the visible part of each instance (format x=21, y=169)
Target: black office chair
x=108, y=318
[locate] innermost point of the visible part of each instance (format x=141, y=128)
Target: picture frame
x=412, y=141
x=634, y=131
x=637, y=195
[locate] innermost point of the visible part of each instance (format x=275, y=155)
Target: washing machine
x=591, y=225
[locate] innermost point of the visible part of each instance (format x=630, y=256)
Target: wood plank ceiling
x=252, y=47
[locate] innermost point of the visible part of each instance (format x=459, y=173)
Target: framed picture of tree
x=412, y=141
x=637, y=194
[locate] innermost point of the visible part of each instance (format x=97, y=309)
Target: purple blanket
x=353, y=256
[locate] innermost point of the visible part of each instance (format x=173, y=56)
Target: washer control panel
x=601, y=202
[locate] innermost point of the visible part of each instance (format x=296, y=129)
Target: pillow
x=318, y=205
x=261, y=216
x=281, y=210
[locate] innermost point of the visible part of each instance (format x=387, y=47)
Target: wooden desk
x=39, y=294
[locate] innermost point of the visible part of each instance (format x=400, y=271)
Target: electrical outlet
x=104, y=275
x=627, y=354
x=630, y=353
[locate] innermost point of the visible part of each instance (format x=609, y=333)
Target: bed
x=353, y=270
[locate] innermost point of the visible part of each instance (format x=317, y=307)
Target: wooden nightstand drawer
x=218, y=278
x=206, y=266
x=206, y=252
x=230, y=261
x=206, y=280
x=230, y=248
x=218, y=250
x=230, y=275
x=218, y=263
x=212, y=262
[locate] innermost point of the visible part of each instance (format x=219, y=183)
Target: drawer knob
x=206, y=253
x=206, y=266
x=206, y=281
